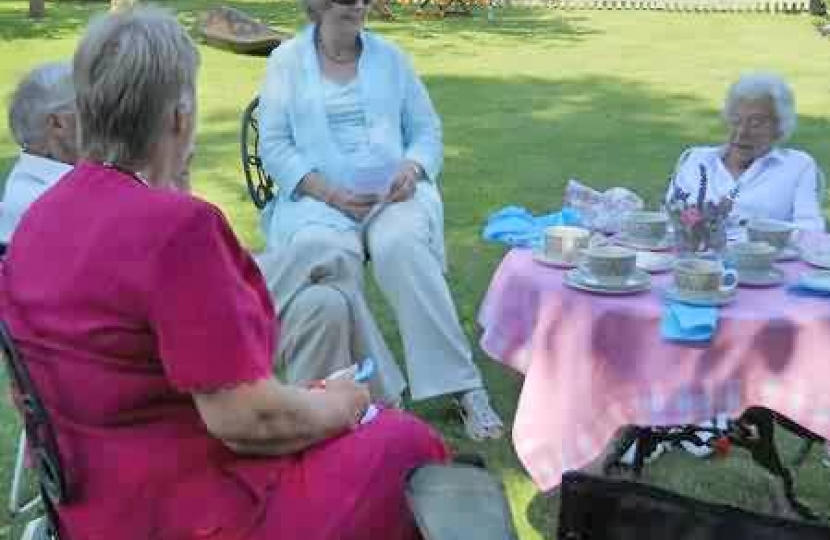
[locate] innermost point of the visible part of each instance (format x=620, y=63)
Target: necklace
x=334, y=58
x=138, y=177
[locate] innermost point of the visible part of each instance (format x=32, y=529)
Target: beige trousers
x=325, y=324
x=409, y=274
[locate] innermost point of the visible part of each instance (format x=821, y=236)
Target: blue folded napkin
x=682, y=322
x=515, y=226
x=798, y=289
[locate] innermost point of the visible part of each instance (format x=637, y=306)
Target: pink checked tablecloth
x=594, y=363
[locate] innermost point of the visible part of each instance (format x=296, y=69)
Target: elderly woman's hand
x=354, y=205
x=348, y=401
x=403, y=186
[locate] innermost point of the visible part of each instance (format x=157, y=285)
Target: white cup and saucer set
x=645, y=231
x=562, y=246
x=781, y=235
x=608, y=270
x=702, y=282
x=753, y=261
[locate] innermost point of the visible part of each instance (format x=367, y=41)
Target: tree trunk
x=37, y=9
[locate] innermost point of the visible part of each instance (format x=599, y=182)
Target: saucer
x=638, y=282
x=663, y=244
x=655, y=263
x=817, y=280
x=769, y=278
x=713, y=299
x=819, y=259
x=788, y=253
x=543, y=258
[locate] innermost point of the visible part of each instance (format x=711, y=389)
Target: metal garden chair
x=40, y=440
x=260, y=185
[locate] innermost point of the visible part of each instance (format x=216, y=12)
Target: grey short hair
x=765, y=85
x=132, y=68
x=313, y=8
x=44, y=90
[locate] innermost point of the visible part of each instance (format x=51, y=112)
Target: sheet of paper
x=375, y=180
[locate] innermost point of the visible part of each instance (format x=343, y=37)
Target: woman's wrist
x=418, y=171
x=313, y=185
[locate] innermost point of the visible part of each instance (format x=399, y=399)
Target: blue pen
x=365, y=370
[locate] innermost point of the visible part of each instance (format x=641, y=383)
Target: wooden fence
x=776, y=6
x=702, y=6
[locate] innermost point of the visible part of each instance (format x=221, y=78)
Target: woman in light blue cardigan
x=348, y=131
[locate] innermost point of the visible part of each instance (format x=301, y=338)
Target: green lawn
x=610, y=97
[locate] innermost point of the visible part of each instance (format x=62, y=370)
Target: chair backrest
x=40, y=434
x=260, y=184
x=600, y=508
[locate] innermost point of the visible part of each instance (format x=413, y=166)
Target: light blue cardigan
x=295, y=137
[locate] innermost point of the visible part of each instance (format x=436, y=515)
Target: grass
x=610, y=97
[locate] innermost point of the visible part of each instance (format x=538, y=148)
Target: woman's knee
x=321, y=304
x=396, y=244
x=408, y=439
x=319, y=241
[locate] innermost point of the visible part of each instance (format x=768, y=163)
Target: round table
x=593, y=363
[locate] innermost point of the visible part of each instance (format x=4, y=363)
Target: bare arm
x=271, y=419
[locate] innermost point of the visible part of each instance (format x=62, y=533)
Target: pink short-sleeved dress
x=124, y=299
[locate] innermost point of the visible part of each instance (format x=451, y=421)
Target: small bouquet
x=699, y=224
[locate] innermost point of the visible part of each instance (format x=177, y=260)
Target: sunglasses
x=351, y=2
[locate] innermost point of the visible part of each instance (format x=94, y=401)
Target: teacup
x=702, y=277
x=565, y=243
x=609, y=265
x=650, y=227
x=752, y=257
x=774, y=232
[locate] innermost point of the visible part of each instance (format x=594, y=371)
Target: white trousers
x=408, y=273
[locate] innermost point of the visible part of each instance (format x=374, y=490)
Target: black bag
x=599, y=508
x=459, y=501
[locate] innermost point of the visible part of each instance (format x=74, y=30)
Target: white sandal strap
x=480, y=420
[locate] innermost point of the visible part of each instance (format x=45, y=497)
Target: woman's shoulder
x=382, y=46
x=290, y=48
x=176, y=211
x=699, y=152
x=798, y=158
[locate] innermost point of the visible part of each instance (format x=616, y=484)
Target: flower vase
x=716, y=238
x=705, y=238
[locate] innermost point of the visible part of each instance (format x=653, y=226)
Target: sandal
x=480, y=420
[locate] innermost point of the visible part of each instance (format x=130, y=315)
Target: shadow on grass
x=543, y=26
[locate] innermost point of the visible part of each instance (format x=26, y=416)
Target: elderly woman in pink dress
x=149, y=333
x=768, y=180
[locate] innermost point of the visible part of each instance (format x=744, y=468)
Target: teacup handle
x=728, y=280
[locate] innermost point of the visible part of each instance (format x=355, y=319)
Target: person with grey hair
x=149, y=334
x=42, y=122
x=349, y=133
x=765, y=179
